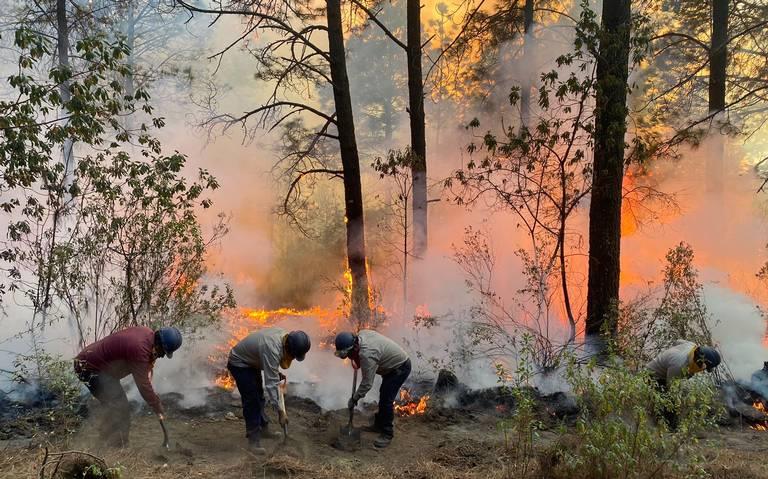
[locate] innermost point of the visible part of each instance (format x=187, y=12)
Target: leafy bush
x=618, y=434
x=652, y=323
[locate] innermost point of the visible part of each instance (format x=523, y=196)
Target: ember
x=407, y=405
x=762, y=425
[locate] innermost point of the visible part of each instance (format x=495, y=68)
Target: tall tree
x=718, y=56
x=608, y=170
x=418, y=133
x=525, y=93
x=413, y=50
x=350, y=161
x=308, y=65
x=718, y=64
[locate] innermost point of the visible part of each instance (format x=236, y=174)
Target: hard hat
x=344, y=341
x=170, y=340
x=298, y=344
x=709, y=357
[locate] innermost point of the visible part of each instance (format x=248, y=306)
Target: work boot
x=267, y=433
x=373, y=427
x=254, y=447
x=382, y=441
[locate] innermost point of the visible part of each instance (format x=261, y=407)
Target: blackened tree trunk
x=525, y=88
x=610, y=128
x=718, y=55
x=353, y=192
x=718, y=62
x=418, y=134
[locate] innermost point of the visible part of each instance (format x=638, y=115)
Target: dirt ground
x=441, y=444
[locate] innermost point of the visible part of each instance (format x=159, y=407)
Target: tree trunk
x=130, y=39
x=388, y=120
x=525, y=88
x=718, y=55
x=62, y=47
x=418, y=134
x=353, y=192
x=605, y=205
x=718, y=62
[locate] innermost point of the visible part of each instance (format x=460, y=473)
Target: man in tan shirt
x=375, y=354
x=265, y=351
x=681, y=361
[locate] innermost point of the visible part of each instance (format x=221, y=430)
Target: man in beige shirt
x=265, y=351
x=681, y=361
x=375, y=354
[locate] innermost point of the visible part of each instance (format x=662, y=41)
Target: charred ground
x=458, y=436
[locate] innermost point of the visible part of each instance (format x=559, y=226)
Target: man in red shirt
x=132, y=351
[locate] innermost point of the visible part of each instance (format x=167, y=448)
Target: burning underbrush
x=407, y=405
x=238, y=324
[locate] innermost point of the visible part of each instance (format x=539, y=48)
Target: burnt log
x=447, y=383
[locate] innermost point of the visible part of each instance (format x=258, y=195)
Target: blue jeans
x=390, y=386
x=249, y=384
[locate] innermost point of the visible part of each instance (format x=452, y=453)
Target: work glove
x=282, y=418
x=352, y=403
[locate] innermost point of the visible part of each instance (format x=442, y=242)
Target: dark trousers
x=667, y=415
x=251, y=390
x=390, y=386
x=116, y=421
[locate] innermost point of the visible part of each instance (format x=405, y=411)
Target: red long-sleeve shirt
x=125, y=352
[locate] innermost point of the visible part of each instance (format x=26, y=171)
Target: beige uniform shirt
x=262, y=350
x=378, y=355
x=674, y=363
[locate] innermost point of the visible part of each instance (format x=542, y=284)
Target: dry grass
x=469, y=460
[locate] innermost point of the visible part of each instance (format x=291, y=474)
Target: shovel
x=281, y=404
x=349, y=436
x=166, y=442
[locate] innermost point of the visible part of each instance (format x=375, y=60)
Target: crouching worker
x=132, y=351
x=264, y=351
x=681, y=361
x=376, y=354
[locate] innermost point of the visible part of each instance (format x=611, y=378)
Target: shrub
x=618, y=433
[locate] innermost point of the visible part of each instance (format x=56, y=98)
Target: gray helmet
x=708, y=357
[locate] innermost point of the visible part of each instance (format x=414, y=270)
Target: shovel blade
x=349, y=439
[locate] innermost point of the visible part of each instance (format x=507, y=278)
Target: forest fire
x=762, y=425
x=410, y=406
x=246, y=320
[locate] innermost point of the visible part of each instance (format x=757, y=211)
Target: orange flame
x=762, y=425
x=409, y=406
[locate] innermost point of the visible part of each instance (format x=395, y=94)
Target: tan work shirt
x=262, y=350
x=378, y=355
x=676, y=362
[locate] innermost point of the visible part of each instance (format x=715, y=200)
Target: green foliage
x=57, y=386
x=648, y=325
x=520, y=430
x=118, y=241
x=619, y=434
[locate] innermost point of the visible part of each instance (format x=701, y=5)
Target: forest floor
x=456, y=443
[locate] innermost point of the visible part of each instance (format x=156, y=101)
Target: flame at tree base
x=407, y=405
